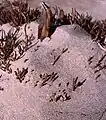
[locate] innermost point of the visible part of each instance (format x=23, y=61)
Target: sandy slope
x=23, y=101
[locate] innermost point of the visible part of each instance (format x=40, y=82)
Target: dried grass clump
x=4, y=12
x=60, y=18
x=13, y=47
x=20, y=74
x=17, y=13
x=8, y=43
x=96, y=28
x=48, y=78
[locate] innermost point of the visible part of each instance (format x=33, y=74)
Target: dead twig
x=48, y=78
x=57, y=58
x=77, y=84
x=99, y=62
x=20, y=74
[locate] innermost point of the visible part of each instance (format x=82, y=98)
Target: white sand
x=20, y=101
x=23, y=101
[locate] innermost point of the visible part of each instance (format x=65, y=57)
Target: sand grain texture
x=30, y=101
x=25, y=101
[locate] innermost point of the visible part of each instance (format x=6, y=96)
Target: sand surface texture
x=47, y=92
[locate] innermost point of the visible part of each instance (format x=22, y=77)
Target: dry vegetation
x=17, y=13
x=20, y=74
x=12, y=47
x=8, y=43
x=96, y=28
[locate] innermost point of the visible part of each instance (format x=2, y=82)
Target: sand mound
x=47, y=91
